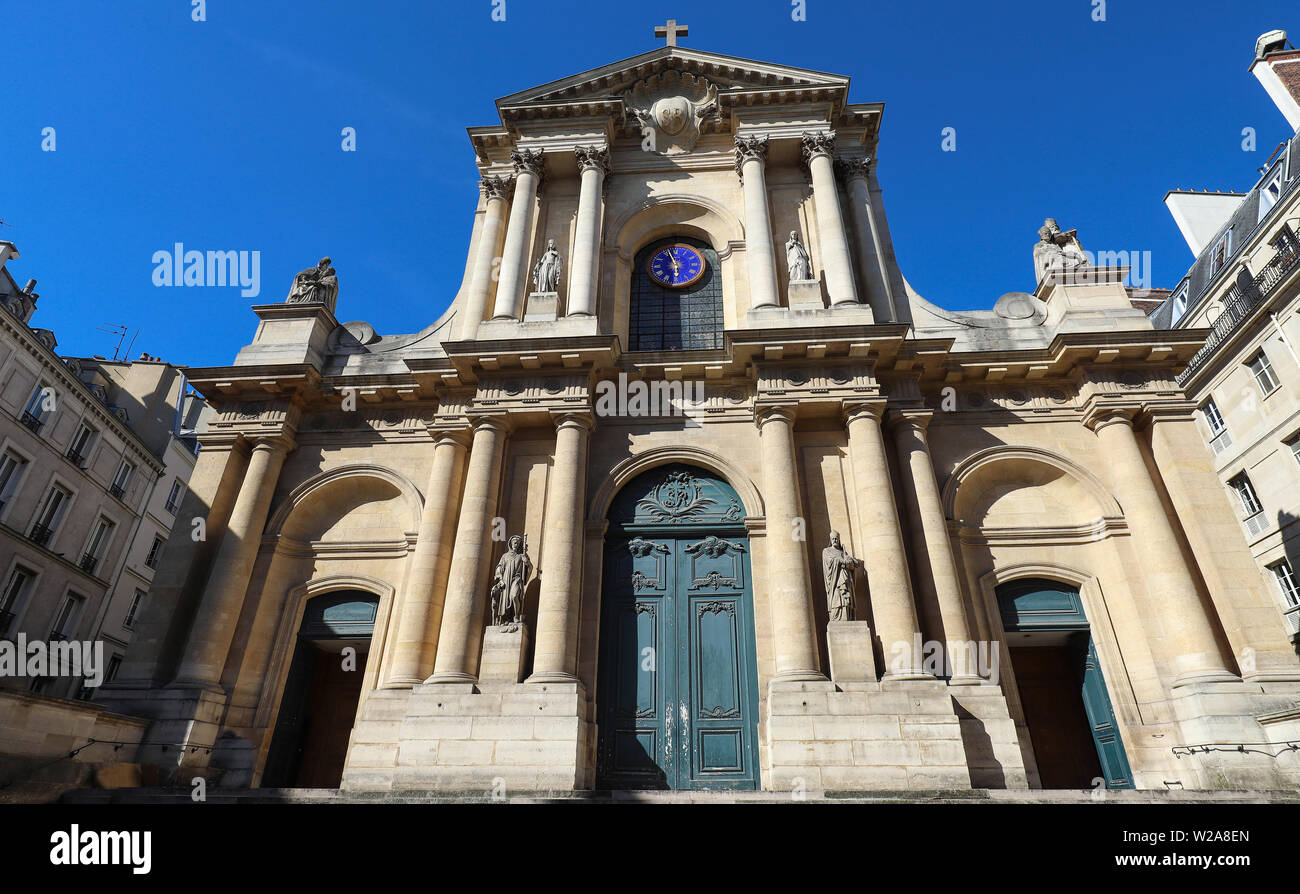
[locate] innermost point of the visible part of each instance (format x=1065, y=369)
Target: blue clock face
x=676, y=266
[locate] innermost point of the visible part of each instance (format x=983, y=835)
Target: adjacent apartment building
x=95, y=455
x=1245, y=288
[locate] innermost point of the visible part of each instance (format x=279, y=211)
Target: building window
x=1179, y=307
x=65, y=621
x=1294, y=444
x=11, y=600
x=79, y=449
x=1270, y=191
x=121, y=479
x=102, y=533
x=12, y=467
x=152, y=559
x=38, y=407
x=1252, y=509
x=174, y=498
x=51, y=513
x=1220, y=252
x=1220, y=440
x=686, y=319
x=110, y=672
x=1286, y=582
x=129, y=621
x=1262, y=370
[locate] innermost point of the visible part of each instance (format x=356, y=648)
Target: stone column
x=529, y=166
x=818, y=153
x=751, y=155
x=593, y=165
x=1190, y=643
x=857, y=177
x=497, y=192
x=789, y=587
x=426, y=584
x=468, y=580
x=940, y=590
x=892, y=607
x=223, y=597
x=555, y=659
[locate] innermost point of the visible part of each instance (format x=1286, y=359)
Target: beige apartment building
x=1245, y=289
x=94, y=460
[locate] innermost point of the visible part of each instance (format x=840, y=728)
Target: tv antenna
x=120, y=331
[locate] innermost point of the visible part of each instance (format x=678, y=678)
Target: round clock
x=676, y=266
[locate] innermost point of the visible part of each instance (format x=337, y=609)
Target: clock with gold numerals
x=676, y=266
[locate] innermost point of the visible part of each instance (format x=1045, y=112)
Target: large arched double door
x=677, y=683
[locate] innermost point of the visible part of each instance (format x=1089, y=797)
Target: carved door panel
x=676, y=688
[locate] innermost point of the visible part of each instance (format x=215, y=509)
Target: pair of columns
x=892, y=603
x=446, y=596
x=818, y=151
x=222, y=601
x=511, y=273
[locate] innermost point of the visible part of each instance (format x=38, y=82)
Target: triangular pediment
x=727, y=73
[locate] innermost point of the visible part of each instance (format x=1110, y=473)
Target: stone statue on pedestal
x=1057, y=251
x=508, y=582
x=546, y=274
x=315, y=285
x=796, y=256
x=837, y=570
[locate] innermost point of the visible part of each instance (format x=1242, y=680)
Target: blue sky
x=225, y=135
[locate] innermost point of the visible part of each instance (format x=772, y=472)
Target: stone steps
x=969, y=796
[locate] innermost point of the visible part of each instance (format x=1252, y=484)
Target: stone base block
x=806, y=294
x=499, y=738
x=542, y=306
x=505, y=649
x=902, y=735
x=851, y=656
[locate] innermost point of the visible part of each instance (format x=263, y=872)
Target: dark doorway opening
x=321, y=693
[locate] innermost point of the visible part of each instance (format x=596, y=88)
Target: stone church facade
x=1041, y=583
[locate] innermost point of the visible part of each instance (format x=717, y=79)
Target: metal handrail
x=1242, y=301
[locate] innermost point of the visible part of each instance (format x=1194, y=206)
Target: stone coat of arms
x=671, y=107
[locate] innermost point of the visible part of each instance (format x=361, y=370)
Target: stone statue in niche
x=546, y=273
x=837, y=570
x=315, y=285
x=1057, y=251
x=508, y=582
x=796, y=256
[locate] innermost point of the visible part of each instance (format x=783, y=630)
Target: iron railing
x=32, y=422
x=117, y=490
x=88, y=563
x=40, y=535
x=1243, y=298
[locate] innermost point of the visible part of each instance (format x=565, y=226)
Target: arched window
x=664, y=318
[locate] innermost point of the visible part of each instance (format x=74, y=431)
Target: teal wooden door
x=1046, y=606
x=1101, y=714
x=677, y=682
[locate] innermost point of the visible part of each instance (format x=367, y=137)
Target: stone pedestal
x=851, y=656
x=806, y=293
x=542, y=306
x=504, y=651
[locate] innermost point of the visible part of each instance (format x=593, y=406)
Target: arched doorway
x=310, y=743
x=1062, y=690
x=677, y=685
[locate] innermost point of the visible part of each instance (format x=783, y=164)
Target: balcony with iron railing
x=117, y=490
x=1242, y=299
x=32, y=422
x=40, y=535
x=88, y=563
x=77, y=459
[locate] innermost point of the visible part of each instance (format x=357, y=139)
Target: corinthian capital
x=750, y=148
x=853, y=168
x=528, y=161
x=496, y=187
x=817, y=143
x=592, y=157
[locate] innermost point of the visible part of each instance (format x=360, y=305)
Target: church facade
x=690, y=489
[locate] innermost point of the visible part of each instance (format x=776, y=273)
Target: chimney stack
x=31, y=284
x=1277, y=66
